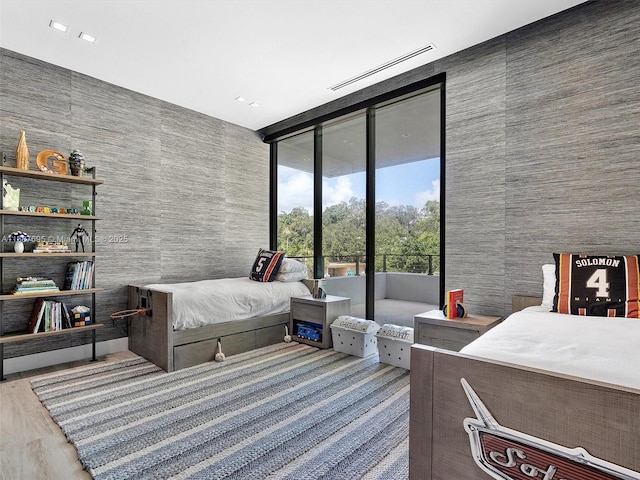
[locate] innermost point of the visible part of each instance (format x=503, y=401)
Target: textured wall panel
x=475, y=164
x=166, y=215
x=247, y=199
x=573, y=125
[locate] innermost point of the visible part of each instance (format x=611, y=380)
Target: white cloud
x=341, y=192
x=295, y=190
x=423, y=197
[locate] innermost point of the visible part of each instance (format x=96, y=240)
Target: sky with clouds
x=408, y=184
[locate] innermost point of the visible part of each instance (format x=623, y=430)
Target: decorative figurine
x=11, y=199
x=86, y=207
x=19, y=238
x=76, y=163
x=22, y=153
x=79, y=233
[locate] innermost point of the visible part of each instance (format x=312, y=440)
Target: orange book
x=453, y=298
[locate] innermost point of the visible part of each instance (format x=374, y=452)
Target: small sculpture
x=79, y=233
x=22, y=153
x=86, y=207
x=11, y=199
x=76, y=163
x=19, y=238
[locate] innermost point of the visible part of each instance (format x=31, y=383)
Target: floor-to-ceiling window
x=358, y=195
x=407, y=192
x=295, y=174
x=344, y=227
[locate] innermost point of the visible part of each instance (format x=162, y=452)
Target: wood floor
x=32, y=446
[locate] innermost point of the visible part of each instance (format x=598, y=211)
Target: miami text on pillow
x=266, y=265
x=600, y=285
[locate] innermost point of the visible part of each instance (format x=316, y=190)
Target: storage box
x=355, y=336
x=81, y=319
x=394, y=345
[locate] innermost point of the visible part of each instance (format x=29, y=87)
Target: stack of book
x=47, y=316
x=79, y=275
x=51, y=247
x=34, y=285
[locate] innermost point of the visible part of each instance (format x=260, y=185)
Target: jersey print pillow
x=600, y=285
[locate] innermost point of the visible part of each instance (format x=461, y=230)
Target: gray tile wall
x=542, y=148
x=185, y=197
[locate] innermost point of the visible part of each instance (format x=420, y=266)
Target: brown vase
x=22, y=153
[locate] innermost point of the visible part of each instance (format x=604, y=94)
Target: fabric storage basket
x=355, y=336
x=394, y=345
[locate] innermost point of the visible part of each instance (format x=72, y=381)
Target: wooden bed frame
x=560, y=410
x=152, y=335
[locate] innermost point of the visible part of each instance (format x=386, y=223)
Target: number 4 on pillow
x=600, y=285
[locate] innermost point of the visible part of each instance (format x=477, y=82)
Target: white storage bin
x=394, y=345
x=355, y=336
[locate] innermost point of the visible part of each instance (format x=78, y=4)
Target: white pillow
x=291, y=265
x=291, y=276
x=548, y=285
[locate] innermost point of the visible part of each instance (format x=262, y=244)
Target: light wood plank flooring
x=32, y=446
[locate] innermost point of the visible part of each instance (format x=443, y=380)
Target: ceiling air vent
x=382, y=67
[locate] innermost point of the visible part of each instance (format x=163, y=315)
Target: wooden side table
x=309, y=318
x=432, y=328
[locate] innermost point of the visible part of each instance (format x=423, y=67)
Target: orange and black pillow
x=266, y=265
x=599, y=285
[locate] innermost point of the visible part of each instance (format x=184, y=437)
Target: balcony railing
x=348, y=265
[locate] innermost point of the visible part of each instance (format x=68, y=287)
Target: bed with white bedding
x=206, y=302
x=596, y=348
x=185, y=321
x=542, y=395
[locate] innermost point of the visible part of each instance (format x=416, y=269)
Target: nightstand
x=309, y=318
x=432, y=328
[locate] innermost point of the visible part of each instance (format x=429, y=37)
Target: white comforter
x=205, y=302
x=597, y=348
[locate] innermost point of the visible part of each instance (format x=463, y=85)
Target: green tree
x=405, y=236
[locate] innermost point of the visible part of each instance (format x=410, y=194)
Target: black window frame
x=315, y=124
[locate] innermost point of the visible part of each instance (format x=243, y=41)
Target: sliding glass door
x=295, y=179
x=344, y=228
x=407, y=211
x=359, y=200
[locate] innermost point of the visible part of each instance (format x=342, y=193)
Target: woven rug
x=288, y=411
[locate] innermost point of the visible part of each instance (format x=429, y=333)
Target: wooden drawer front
x=450, y=338
x=306, y=311
x=194, y=353
x=269, y=335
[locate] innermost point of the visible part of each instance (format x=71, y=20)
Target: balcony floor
x=396, y=312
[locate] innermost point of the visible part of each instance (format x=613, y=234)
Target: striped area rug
x=288, y=411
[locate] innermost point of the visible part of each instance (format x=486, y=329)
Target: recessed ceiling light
x=240, y=99
x=58, y=26
x=254, y=104
x=87, y=37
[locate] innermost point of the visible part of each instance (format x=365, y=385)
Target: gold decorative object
x=57, y=165
x=22, y=153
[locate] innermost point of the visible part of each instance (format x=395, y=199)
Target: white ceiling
x=282, y=54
